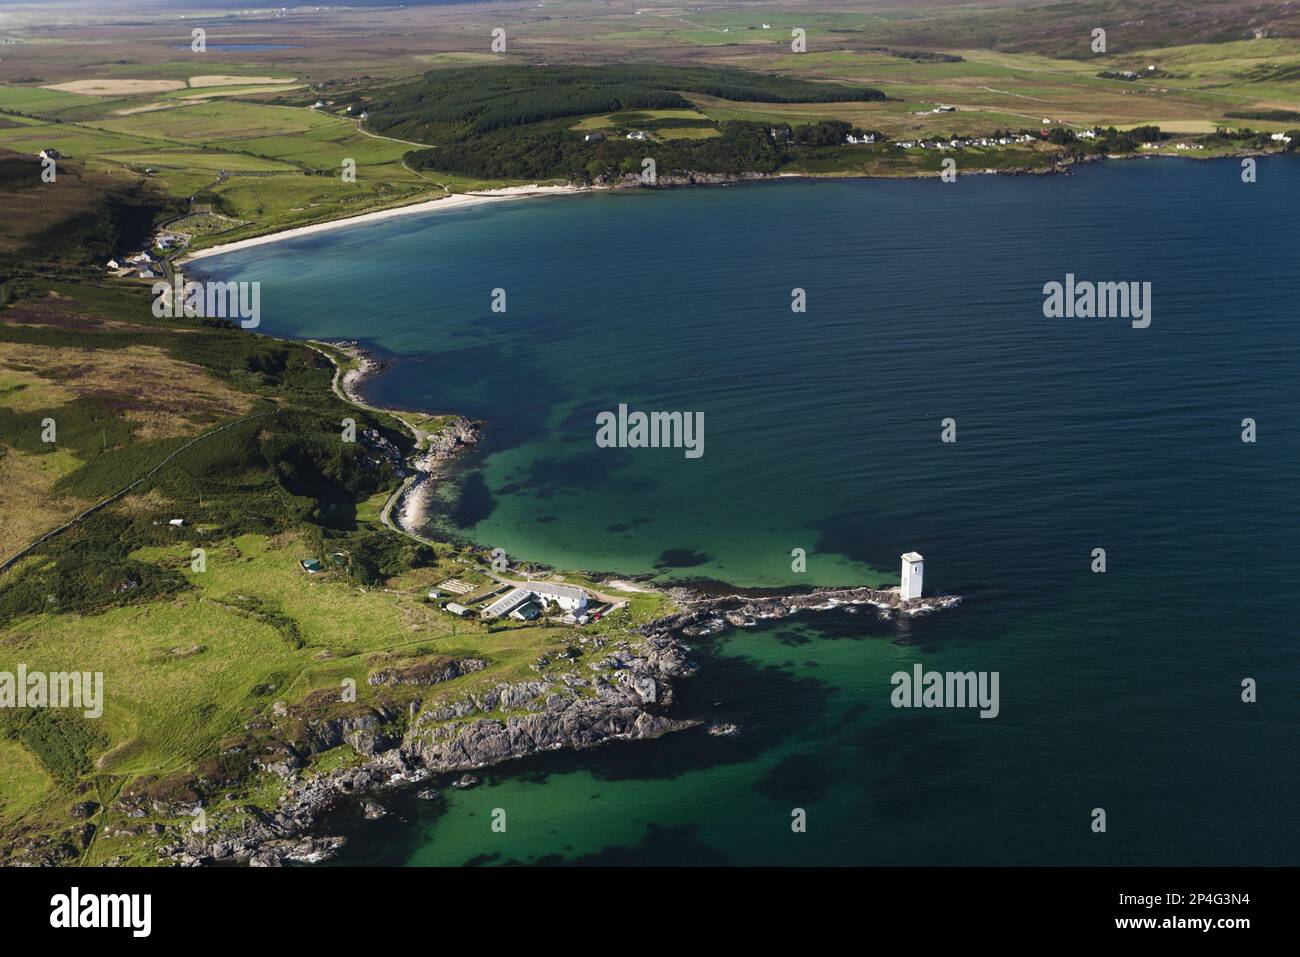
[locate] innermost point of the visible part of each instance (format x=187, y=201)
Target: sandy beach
x=454, y=201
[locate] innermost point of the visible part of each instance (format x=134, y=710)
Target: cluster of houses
x=957, y=143
x=323, y=104
x=520, y=602
x=596, y=136
x=528, y=603
x=1177, y=146
x=143, y=264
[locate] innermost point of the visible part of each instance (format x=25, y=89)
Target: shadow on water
x=661, y=845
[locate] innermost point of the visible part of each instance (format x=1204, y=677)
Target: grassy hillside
x=199, y=660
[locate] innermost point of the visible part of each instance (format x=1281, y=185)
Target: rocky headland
x=626, y=692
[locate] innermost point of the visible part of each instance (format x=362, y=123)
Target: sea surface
x=1119, y=691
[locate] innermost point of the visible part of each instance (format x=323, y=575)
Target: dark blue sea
x=1119, y=691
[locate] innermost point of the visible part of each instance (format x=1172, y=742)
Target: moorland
x=223, y=676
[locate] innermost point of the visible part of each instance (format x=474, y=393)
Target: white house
x=566, y=596
x=518, y=599
x=638, y=135
x=913, y=572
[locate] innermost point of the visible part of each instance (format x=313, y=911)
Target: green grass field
x=187, y=666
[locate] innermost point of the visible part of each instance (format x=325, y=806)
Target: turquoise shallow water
x=822, y=432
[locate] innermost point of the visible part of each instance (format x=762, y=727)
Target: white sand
x=454, y=201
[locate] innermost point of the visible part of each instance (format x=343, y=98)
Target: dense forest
x=451, y=105
x=548, y=151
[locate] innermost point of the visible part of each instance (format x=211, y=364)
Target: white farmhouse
x=913, y=572
x=566, y=596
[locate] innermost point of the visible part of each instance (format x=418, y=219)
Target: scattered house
x=1280, y=138
x=945, y=109
x=638, y=135
x=50, y=154
x=140, y=259
x=318, y=105
x=365, y=115
x=460, y=611
x=860, y=137
x=146, y=273
x=178, y=522
x=1046, y=121
x=113, y=264
x=1087, y=134
x=434, y=593
x=312, y=566
x=594, y=137
x=767, y=26
x=781, y=134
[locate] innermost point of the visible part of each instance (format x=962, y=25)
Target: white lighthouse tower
x=913, y=572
